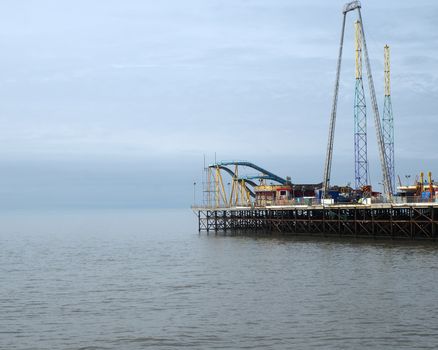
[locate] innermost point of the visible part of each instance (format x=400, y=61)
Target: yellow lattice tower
x=358, y=50
x=387, y=71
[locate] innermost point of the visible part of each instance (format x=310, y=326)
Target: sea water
x=133, y=279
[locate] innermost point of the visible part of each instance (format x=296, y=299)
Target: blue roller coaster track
x=265, y=174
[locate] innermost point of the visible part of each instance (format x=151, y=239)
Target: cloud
x=245, y=79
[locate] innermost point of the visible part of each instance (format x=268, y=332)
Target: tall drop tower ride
x=360, y=119
x=388, y=120
x=387, y=183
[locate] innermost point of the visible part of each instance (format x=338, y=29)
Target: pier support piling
x=414, y=222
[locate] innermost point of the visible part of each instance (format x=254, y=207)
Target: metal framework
x=391, y=222
x=388, y=119
x=360, y=120
x=355, y=5
x=240, y=193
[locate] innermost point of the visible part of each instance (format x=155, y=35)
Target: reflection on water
x=129, y=280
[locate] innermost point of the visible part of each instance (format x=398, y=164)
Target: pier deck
x=391, y=221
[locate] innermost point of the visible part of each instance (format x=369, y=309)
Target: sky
x=114, y=104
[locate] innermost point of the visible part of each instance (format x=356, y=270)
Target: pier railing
x=416, y=199
x=307, y=201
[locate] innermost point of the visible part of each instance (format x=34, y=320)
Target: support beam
x=329, y=155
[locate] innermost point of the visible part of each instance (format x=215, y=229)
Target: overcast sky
x=113, y=103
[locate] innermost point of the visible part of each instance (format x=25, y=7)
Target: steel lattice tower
x=387, y=185
x=388, y=120
x=360, y=119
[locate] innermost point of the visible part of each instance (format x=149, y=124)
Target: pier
x=235, y=199
x=417, y=221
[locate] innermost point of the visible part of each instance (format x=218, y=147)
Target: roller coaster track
x=266, y=175
x=241, y=180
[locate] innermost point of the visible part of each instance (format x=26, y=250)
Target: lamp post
x=194, y=193
x=407, y=179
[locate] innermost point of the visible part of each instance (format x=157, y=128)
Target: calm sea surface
x=133, y=279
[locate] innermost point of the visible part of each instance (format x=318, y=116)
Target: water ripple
x=173, y=289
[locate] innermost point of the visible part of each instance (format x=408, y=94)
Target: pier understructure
x=411, y=222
